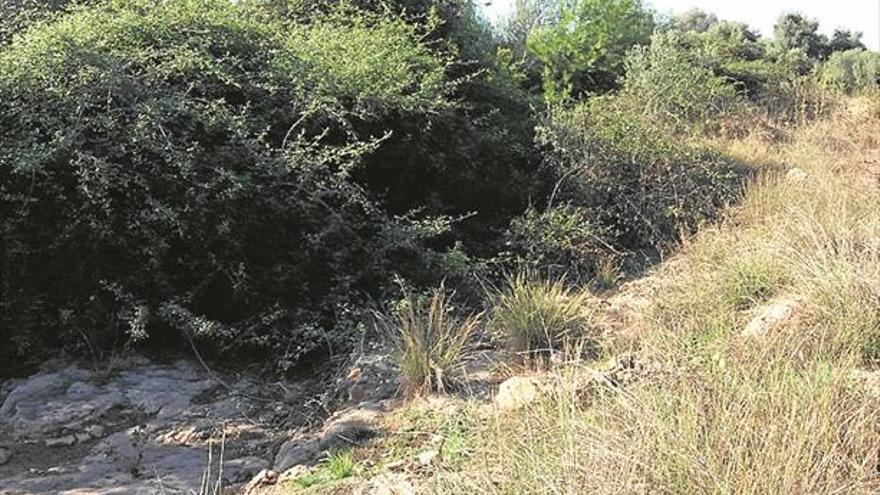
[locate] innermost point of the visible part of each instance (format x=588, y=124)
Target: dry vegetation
x=786, y=408
x=785, y=411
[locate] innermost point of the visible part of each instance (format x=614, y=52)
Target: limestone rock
x=772, y=316
x=63, y=441
x=390, y=484
x=263, y=479
x=427, y=457
x=518, y=392
x=351, y=426
x=293, y=473
x=371, y=377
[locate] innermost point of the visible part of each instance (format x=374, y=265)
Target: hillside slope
x=743, y=364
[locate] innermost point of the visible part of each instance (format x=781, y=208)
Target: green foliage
x=852, y=71
x=584, y=52
x=644, y=186
x=17, y=15
x=671, y=83
x=793, y=31
x=562, y=241
x=540, y=315
x=192, y=164
x=429, y=339
x=341, y=464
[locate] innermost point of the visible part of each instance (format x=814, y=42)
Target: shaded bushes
x=645, y=186
x=188, y=164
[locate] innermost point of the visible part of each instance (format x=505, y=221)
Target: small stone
x=772, y=317
x=301, y=449
x=517, y=392
x=82, y=437
x=293, y=473
x=5, y=455
x=427, y=457
x=351, y=426
x=95, y=431
x=391, y=484
x=64, y=441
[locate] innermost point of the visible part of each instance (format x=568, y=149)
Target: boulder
x=351, y=426
x=263, y=479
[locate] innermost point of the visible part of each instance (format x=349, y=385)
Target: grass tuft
x=540, y=315
x=430, y=340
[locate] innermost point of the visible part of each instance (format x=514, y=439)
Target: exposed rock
x=773, y=316
x=389, y=484
x=95, y=431
x=5, y=455
x=293, y=473
x=66, y=440
x=371, y=377
x=343, y=428
x=427, y=457
x=302, y=449
x=518, y=392
x=263, y=479
x=143, y=429
x=351, y=426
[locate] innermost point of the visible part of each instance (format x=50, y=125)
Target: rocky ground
x=142, y=427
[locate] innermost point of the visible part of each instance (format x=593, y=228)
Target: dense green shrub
x=672, y=83
x=852, y=71
x=642, y=184
x=190, y=165
x=584, y=52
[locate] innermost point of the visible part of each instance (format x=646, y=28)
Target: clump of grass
x=540, y=315
x=430, y=340
x=341, y=465
x=338, y=466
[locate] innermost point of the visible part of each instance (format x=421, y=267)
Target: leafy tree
x=514, y=30
x=844, y=40
x=584, y=52
x=794, y=31
x=695, y=19
x=526, y=17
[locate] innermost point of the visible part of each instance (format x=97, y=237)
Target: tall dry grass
x=784, y=412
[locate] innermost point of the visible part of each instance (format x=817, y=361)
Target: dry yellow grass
x=779, y=413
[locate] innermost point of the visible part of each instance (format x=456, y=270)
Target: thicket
x=253, y=175
x=199, y=166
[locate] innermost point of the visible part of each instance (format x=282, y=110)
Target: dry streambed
x=147, y=428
